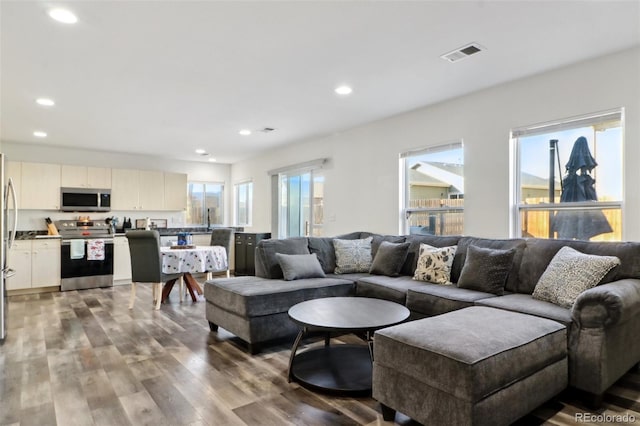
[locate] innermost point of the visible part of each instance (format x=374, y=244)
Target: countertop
x=39, y=234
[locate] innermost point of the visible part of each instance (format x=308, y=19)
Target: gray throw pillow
x=352, y=255
x=486, y=269
x=389, y=258
x=570, y=273
x=298, y=266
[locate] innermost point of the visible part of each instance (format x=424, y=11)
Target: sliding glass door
x=300, y=204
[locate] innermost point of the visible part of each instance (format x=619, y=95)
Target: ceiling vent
x=267, y=130
x=463, y=52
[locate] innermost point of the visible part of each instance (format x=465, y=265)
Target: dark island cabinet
x=245, y=251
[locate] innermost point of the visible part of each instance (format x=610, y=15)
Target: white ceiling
x=167, y=77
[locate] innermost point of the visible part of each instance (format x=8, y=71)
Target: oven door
x=83, y=273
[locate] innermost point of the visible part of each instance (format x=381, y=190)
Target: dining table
x=188, y=260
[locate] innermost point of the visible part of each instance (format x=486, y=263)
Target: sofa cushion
x=377, y=240
x=464, y=243
x=569, y=274
x=434, y=299
x=389, y=258
x=434, y=264
x=413, y=253
x=526, y=304
x=486, y=269
x=323, y=248
x=471, y=353
x=297, y=266
x=388, y=288
x=539, y=252
x=352, y=255
x=267, y=265
x=254, y=296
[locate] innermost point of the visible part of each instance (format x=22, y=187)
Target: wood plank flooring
x=83, y=358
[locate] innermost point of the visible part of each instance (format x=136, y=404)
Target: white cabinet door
x=19, y=259
x=124, y=189
x=175, y=191
x=45, y=263
x=151, y=187
x=121, y=260
x=40, y=186
x=99, y=177
x=73, y=176
x=201, y=239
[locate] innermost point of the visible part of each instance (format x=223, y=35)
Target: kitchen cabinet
x=151, y=190
x=201, y=239
x=121, y=261
x=137, y=189
x=245, y=251
x=40, y=186
x=175, y=191
x=85, y=177
x=45, y=263
x=36, y=264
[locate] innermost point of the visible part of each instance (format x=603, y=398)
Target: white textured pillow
x=570, y=273
x=353, y=255
x=434, y=264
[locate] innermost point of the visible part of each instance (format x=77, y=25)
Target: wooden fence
x=445, y=222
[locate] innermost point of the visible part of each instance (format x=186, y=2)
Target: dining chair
x=222, y=237
x=146, y=264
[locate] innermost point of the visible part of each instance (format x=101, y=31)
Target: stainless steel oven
x=86, y=258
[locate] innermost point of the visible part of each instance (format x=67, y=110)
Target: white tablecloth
x=194, y=260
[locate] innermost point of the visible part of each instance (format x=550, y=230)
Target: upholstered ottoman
x=474, y=366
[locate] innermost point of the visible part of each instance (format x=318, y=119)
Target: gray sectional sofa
x=601, y=327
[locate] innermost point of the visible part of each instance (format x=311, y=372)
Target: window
x=433, y=190
x=204, y=203
x=569, y=181
x=244, y=199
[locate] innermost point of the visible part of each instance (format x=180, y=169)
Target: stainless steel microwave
x=85, y=200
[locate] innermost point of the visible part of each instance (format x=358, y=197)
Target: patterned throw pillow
x=434, y=264
x=352, y=255
x=569, y=274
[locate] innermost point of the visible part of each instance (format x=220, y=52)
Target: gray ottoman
x=474, y=366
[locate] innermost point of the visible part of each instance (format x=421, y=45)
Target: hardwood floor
x=82, y=358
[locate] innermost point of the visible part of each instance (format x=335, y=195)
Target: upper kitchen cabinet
x=175, y=191
x=85, y=177
x=40, y=186
x=137, y=190
x=151, y=195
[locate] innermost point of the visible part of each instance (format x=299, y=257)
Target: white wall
x=196, y=171
x=362, y=179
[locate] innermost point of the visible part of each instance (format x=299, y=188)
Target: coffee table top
x=348, y=313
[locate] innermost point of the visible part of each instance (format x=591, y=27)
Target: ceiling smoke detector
x=462, y=52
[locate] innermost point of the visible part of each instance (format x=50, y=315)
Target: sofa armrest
x=608, y=304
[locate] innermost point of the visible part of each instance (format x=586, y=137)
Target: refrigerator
x=8, y=226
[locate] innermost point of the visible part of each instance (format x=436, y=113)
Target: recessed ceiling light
x=63, y=15
x=39, y=134
x=45, y=102
x=245, y=132
x=200, y=151
x=343, y=90
x=213, y=160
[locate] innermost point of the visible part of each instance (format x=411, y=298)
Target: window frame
x=405, y=211
x=518, y=207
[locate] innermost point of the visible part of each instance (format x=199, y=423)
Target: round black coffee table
x=340, y=368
